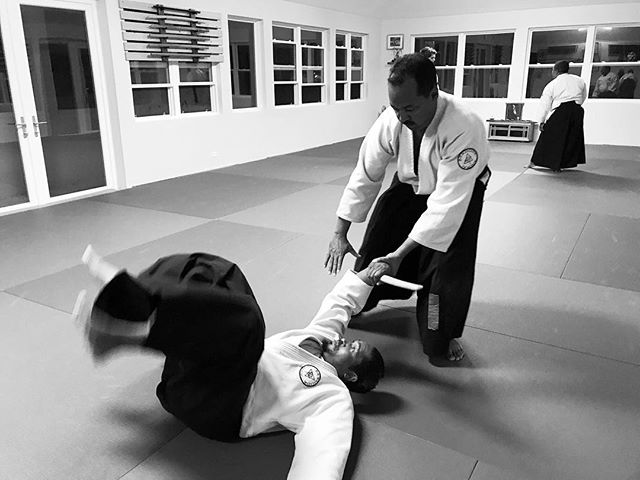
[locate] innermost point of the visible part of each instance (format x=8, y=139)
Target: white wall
x=156, y=148
x=612, y=122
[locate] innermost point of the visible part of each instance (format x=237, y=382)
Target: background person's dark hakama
x=447, y=278
x=561, y=144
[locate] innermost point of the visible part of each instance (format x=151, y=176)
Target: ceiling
x=396, y=9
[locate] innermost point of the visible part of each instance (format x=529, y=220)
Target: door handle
x=36, y=125
x=22, y=125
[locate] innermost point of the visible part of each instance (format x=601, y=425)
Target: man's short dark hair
x=370, y=370
x=561, y=67
x=417, y=66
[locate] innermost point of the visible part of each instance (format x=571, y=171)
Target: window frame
x=173, y=90
x=468, y=68
x=298, y=83
x=348, y=68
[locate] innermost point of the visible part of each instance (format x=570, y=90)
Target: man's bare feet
x=455, y=352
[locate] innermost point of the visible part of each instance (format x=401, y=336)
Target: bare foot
x=98, y=267
x=456, y=352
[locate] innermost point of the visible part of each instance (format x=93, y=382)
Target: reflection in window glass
x=446, y=79
x=149, y=72
x=356, y=59
x=614, y=81
x=485, y=82
x=340, y=40
x=284, y=75
x=356, y=42
x=195, y=99
x=617, y=44
x=551, y=46
x=341, y=75
x=311, y=94
x=356, y=75
x=312, y=76
x=199, y=72
x=489, y=49
x=311, y=38
x=283, y=34
x=242, y=60
x=340, y=91
x=539, y=77
x=284, y=94
x=312, y=57
x=341, y=57
x=356, y=91
x=150, y=101
x=284, y=54
x=447, y=48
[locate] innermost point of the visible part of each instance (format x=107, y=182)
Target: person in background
x=606, y=84
x=221, y=377
x=425, y=225
x=430, y=52
x=627, y=86
x=561, y=141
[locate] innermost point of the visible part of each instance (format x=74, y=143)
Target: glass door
x=66, y=118
x=13, y=131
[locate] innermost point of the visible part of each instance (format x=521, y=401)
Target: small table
x=510, y=130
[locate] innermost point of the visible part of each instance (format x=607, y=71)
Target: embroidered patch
x=309, y=375
x=467, y=158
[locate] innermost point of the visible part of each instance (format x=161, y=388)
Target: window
x=242, y=62
x=349, y=66
x=616, y=63
x=298, y=65
x=161, y=88
x=446, y=59
x=487, y=60
x=548, y=47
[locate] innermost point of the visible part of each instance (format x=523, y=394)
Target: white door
x=52, y=146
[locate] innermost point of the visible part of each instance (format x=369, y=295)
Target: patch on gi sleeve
x=467, y=158
x=309, y=375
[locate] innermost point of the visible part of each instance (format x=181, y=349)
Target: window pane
x=446, y=79
x=312, y=76
x=312, y=57
x=195, y=99
x=488, y=49
x=341, y=74
x=617, y=44
x=341, y=58
x=284, y=54
x=199, y=72
x=283, y=33
x=485, y=83
x=356, y=75
x=539, y=77
x=284, y=75
x=311, y=38
x=356, y=42
x=149, y=72
x=150, y=101
x=550, y=47
x=242, y=46
x=340, y=91
x=614, y=81
x=356, y=91
x=356, y=59
x=447, y=48
x=340, y=40
x=311, y=94
x=283, y=94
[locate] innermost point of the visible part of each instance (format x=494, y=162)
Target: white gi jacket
x=564, y=88
x=297, y=391
x=453, y=153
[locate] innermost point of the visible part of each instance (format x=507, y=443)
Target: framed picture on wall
x=395, y=42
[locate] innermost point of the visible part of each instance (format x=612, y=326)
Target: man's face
x=413, y=110
x=344, y=355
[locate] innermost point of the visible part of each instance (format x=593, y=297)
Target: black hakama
x=447, y=278
x=209, y=326
x=561, y=143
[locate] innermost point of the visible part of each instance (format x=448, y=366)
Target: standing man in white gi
x=425, y=226
x=561, y=141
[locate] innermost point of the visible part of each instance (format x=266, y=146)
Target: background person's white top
x=564, y=88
